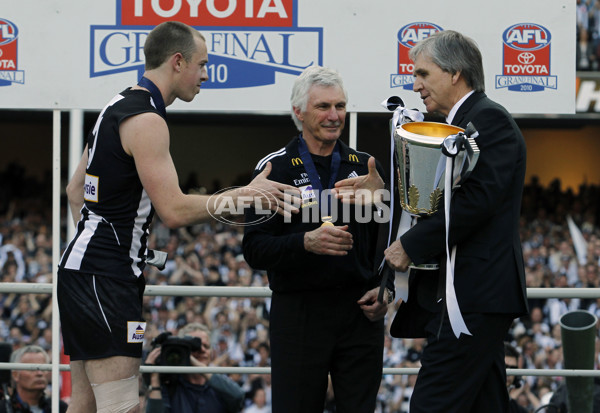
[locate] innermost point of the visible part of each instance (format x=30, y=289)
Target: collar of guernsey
x=156, y=95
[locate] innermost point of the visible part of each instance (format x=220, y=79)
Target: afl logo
x=412, y=33
x=526, y=37
x=8, y=32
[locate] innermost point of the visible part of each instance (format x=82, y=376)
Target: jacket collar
x=466, y=107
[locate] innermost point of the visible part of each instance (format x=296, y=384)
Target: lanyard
x=156, y=95
x=311, y=170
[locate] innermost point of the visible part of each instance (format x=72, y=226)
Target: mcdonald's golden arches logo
x=353, y=158
x=297, y=161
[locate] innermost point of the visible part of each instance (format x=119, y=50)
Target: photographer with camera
x=515, y=385
x=183, y=393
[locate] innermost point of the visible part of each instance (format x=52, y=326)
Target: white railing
x=267, y=370
x=201, y=291
x=163, y=290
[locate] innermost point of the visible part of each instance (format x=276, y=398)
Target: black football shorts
x=100, y=316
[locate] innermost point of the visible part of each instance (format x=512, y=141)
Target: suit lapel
x=459, y=118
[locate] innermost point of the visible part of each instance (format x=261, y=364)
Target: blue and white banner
x=77, y=55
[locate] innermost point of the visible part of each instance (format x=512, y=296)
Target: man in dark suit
x=465, y=374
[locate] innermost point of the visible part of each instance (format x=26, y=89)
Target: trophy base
x=427, y=267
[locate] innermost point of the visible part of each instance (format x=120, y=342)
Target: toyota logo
x=526, y=58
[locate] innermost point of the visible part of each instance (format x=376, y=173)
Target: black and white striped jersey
x=112, y=232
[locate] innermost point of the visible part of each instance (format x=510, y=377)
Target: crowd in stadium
x=210, y=255
x=588, y=35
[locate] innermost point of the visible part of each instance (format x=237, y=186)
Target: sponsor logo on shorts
x=135, y=331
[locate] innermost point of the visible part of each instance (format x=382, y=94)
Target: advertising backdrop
x=65, y=54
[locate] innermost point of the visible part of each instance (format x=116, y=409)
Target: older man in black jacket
x=325, y=315
x=465, y=374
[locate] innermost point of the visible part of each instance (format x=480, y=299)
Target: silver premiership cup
x=418, y=151
x=421, y=173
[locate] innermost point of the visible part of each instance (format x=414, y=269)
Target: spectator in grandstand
x=259, y=402
x=585, y=53
x=325, y=316
x=403, y=388
x=125, y=174
x=196, y=392
x=11, y=256
x=516, y=386
x=595, y=26
x=560, y=398
x=555, y=307
x=591, y=275
x=582, y=15
x=463, y=362
x=30, y=386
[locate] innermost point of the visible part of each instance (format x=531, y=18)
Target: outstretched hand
x=280, y=198
x=361, y=190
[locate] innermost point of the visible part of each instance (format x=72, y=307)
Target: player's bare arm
x=75, y=187
x=146, y=138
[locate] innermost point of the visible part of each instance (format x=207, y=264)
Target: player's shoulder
x=135, y=103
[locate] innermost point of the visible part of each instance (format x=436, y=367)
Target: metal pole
x=55, y=256
x=267, y=370
x=75, y=150
x=353, y=130
x=202, y=291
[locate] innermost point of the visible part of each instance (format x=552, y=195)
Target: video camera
x=175, y=351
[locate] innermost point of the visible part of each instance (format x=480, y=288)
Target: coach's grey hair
x=453, y=52
x=18, y=354
x=313, y=75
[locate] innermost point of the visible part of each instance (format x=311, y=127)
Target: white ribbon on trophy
x=400, y=116
x=454, y=176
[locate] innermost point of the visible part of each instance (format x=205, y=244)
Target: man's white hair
x=313, y=75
